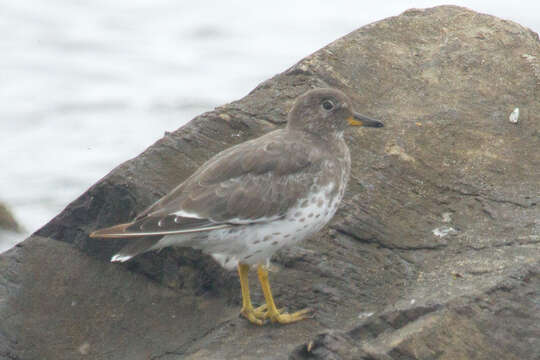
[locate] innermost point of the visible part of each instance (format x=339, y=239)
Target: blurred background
x=86, y=85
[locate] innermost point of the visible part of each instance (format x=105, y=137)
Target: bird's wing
x=256, y=181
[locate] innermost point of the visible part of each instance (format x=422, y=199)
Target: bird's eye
x=327, y=105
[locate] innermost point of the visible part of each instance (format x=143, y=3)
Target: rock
x=501, y=322
x=434, y=252
x=7, y=220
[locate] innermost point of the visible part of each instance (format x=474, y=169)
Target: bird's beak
x=360, y=120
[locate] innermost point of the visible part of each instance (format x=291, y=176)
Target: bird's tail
x=138, y=245
x=114, y=232
x=135, y=248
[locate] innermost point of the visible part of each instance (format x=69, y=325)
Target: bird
x=254, y=198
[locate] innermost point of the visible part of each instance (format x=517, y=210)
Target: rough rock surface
x=434, y=253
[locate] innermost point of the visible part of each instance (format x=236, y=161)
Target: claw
x=252, y=316
x=285, y=318
x=260, y=312
x=261, y=308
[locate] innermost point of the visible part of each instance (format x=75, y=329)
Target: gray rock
x=434, y=253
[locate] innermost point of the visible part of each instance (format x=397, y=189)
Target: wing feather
x=158, y=226
x=258, y=179
x=252, y=182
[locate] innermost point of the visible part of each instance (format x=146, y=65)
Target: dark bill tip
x=361, y=120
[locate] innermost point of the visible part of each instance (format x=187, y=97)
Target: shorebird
x=252, y=199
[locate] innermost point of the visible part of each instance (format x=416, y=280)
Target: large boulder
x=434, y=252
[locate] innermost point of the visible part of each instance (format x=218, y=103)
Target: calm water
x=86, y=85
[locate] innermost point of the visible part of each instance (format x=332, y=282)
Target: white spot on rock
x=400, y=152
x=84, y=349
x=303, y=67
x=443, y=231
x=447, y=217
x=120, y=258
x=364, y=315
x=225, y=117
x=514, y=116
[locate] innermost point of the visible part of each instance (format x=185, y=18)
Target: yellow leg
x=254, y=315
x=272, y=312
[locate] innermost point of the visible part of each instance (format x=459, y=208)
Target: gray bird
x=252, y=199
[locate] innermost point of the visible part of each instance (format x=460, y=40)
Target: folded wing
x=256, y=181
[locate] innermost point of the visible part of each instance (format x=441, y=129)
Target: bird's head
x=324, y=112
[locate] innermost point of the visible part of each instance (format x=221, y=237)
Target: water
x=86, y=85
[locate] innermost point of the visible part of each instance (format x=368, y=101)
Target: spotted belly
x=256, y=243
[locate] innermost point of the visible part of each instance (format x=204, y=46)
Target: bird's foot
x=259, y=314
x=286, y=318
x=255, y=315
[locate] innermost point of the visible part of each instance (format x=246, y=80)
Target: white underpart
x=186, y=214
x=255, y=244
x=239, y=221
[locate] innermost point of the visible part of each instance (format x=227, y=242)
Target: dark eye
x=327, y=105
